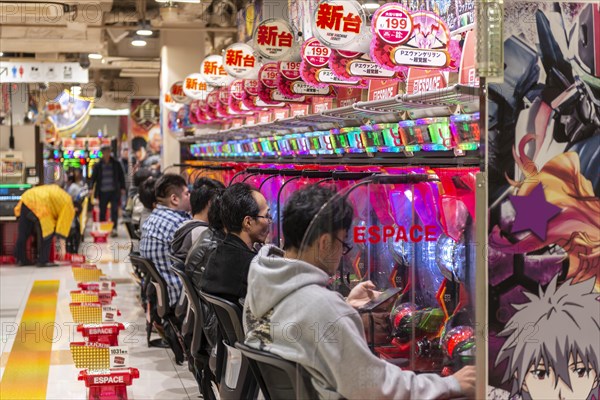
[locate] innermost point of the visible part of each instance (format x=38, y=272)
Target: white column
x=181, y=54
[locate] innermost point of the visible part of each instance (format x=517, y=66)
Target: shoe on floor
x=25, y=263
x=114, y=234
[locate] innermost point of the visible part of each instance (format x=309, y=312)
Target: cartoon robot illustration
x=552, y=131
x=551, y=346
x=544, y=134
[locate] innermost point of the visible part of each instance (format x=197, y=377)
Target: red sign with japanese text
x=240, y=61
x=177, y=93
x=236, y=90
x=195, y=87
x=315, y=53
x=268, y=75
x=213, y=71
x=339, y=23
x=169, y=103
x=392, y=23
x=274, y=39
x=290, y=69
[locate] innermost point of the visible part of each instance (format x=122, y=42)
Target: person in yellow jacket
x=50, y=209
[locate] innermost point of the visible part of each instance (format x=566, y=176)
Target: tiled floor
x=160, y=378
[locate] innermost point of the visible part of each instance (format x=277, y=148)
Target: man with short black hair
x=109, y=179
x=205, y=189
x=246, y=217
x=289, y=289
x=173, y=197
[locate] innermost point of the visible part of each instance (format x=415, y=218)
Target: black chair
x=195, y=323
x=229, y=316
x=163, y=310
x=278, y=378
x=132, y=231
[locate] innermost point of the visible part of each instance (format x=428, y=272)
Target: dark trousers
x=29, y=225
x=113, y=198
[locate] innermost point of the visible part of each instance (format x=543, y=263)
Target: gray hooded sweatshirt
x=289, y=312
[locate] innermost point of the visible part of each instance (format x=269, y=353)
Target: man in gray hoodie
x=290, y=312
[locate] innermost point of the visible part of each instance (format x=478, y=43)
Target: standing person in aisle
x=48, y=209
x=109, y=179
x=289, y=289
x=172, y=210
x=247, y=219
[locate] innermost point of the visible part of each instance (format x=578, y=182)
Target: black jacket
x=199, y=255
x=118, y=176
x=182, y=239
x=226, y=273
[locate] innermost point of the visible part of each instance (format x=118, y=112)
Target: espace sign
x=381, y=234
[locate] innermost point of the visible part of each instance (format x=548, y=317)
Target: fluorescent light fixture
x=138, y=42
x=371, y=6
x=107, y=112
x=95, y=56
x=144, y=32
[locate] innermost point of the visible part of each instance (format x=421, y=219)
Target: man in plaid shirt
x=173, y=197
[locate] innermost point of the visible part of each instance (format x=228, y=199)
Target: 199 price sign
x=314, y=53
x=393, y=24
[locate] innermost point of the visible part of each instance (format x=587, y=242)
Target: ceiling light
x=95, y=56
x=144, y=28
x=144, y=32
x=138, y=42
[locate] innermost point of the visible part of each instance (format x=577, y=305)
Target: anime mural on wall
x=544, y=238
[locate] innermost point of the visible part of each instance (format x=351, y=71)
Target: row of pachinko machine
x=412, y=235
x=458, y=133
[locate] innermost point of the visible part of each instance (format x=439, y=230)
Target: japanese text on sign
x=422, y=58
x=237, y=58
x=332, y=17
x=270, y=36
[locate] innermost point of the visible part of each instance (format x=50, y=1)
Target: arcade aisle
x=41, y=368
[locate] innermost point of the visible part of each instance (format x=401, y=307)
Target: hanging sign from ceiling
x=240, y=61
x=195, y=87
x=177, y=93
x=274, y=39
x=342, y=24
x=213, y=71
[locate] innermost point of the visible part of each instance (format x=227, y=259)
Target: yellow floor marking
x=26, y=374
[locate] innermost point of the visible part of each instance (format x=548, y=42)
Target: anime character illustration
x=551, y=346
x=544, y=149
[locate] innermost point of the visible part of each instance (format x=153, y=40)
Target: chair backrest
x=194, y=303
x=131, y=231
x=229, y=316
x=279, y=378
x=162, y=294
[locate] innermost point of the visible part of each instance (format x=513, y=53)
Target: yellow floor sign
x=26, y=372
